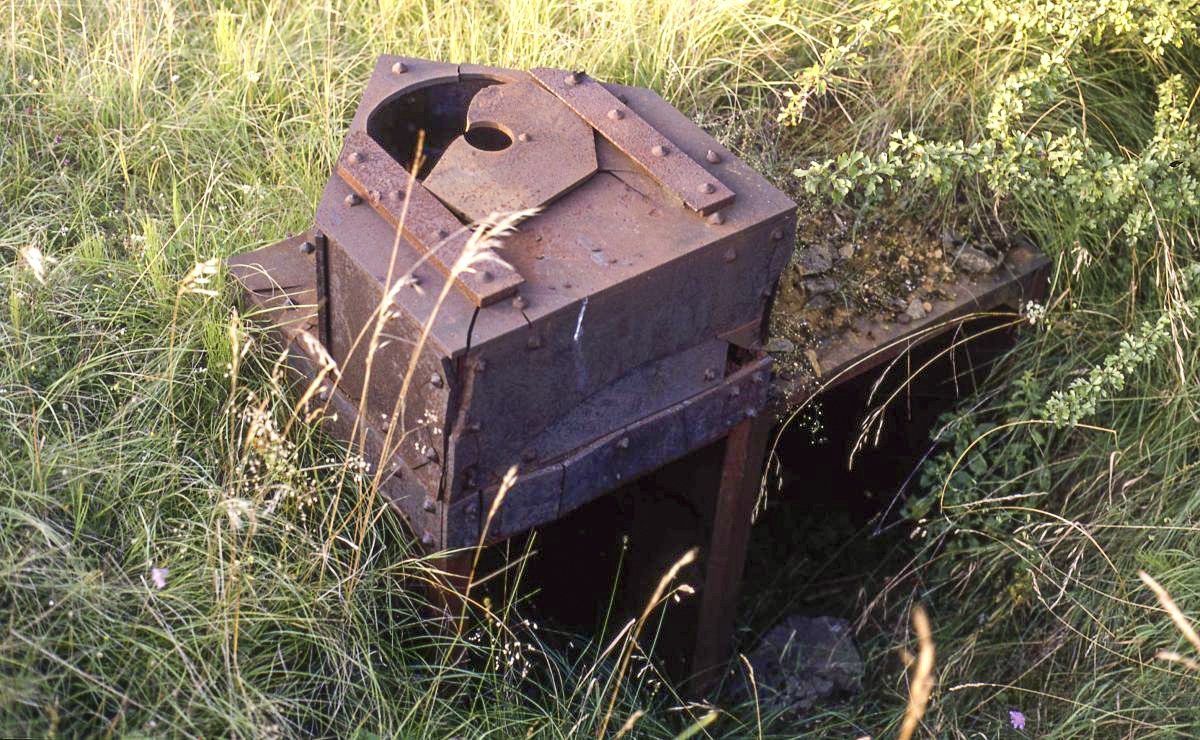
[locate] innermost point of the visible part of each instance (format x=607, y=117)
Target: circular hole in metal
x=488, y=138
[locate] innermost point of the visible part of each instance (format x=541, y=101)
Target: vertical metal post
x=741, y=472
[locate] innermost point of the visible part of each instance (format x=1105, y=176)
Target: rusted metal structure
x=622, y=330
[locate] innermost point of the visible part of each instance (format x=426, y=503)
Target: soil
x=848, y=270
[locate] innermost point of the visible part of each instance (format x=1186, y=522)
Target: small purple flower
x=57, y=139
x=159, y=577
x=1017, y=719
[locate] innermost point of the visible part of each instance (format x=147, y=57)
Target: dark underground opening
x=440, y=111
x=828, y=535
x=488, y=138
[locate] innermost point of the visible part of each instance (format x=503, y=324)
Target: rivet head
x=730, y=255
x=520, y=303
x=615, y=115
x=355, y=157
x=523, y=137
x=427, y=540
x=352, y=199
x=399, y=68
x=735, y=391
x=710, y=374
x=623, y=443
x=308, y=248
x=474, y=427
x=716, y=218
x=428, y=504
x=706, y=188
x=777, y=234
x=659, y=150
x=572, y=79
x=535, y=342
x=435, y=380
x=712, y=156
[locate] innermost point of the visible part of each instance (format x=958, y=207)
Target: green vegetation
x=142, y=427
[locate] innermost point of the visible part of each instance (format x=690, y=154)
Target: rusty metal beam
x=641, y=142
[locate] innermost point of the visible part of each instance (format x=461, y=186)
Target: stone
x=779, y=344
x=814, y=259
x=916, y=309
x=803, y=661
x=846, y=251
x=816, y=286
x=970, y=259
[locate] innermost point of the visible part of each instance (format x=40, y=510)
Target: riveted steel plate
x=530, y=150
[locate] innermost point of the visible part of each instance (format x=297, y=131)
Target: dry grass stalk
x=1164, y=598
x=922, y=681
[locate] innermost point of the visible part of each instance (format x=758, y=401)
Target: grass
x=142, y=426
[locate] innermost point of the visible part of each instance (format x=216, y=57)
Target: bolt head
x=572, y=79
x=428, y=504
x=712, y=156
x=523, y=137
x=399, y=68
x=706, y=188
x=474, y=427
x=659, y=150
x=352, y=199
x=436, y=380
x=730, y=255
x=615, y=115
x=480, y=365
x=623, y=443
x=355, y=157
x=535, y=342
x=427, y=540
x=710, y=374
x=776, y=235
x=308, y=248
x=735, y=391
x=442, y=233
x=520, y=303
x=716, y=218
x=486, y=276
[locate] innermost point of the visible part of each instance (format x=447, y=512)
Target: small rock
x=818, y=303
x=779, y=344
x=846, y=251
x=802, y=661
x=814, y=259
x=819, y=285
x=916, y=310
x=927, y=306
x=970, y=259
